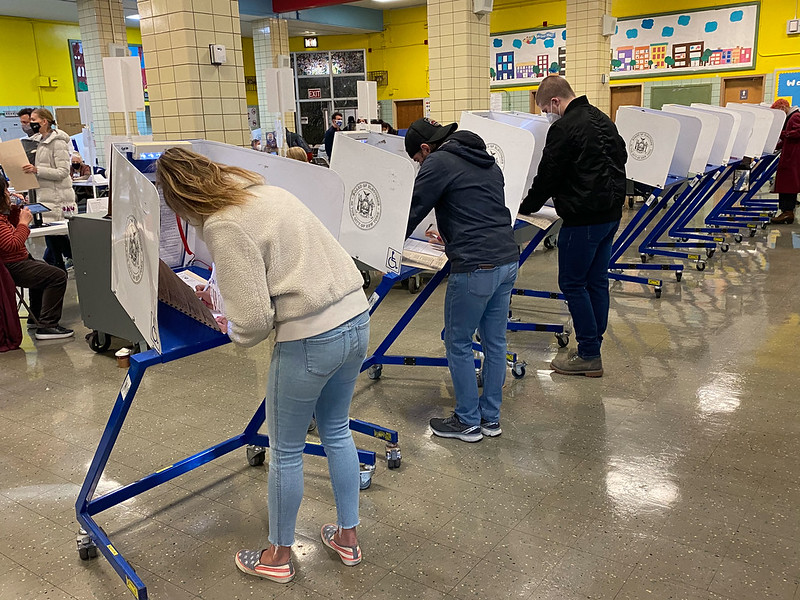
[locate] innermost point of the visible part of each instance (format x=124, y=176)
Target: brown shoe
x=785, y=218
x=572, y=364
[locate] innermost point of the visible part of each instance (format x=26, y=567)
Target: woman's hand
x=25, y=216
x=223, y=324
x=204, y=295
x=30, y=169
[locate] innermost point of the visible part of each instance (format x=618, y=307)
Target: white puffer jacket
x=55, y=184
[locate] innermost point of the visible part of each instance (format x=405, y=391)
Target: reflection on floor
x=674, y=476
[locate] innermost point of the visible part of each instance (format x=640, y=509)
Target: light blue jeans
x=478, y=300
x=314, y=375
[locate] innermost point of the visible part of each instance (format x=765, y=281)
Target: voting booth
x=651, y=139
x=161, y=302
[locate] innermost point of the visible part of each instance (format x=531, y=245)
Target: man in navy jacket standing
x=583, y=170
x=463, y=184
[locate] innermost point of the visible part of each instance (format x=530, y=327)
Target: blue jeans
x=478, y=300
x=583, y=256
x=308, y=376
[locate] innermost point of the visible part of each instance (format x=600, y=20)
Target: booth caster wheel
x=710, y=252
x=701, y=265
x=764, y=225
x=367, y=279
x=375, y=372
x=479, y=378
x=549, y=242
x=99, y=342
x=562, y=339
x=256, y=455
x=725, y=247
x=738, y=238
x=518, y=370
x=393, y=456
x=86, y=547
x=753, y=232
x=643, y=257
x=313, y=425
x=365, y=476
x=414, y=284
x=678, y=275
x=657, y=291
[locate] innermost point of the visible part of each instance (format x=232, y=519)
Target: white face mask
x=552, y=117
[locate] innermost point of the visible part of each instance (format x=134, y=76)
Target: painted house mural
x=690, y=41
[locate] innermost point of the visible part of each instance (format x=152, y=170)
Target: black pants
x=786, y=202
x=58, y=248
x=47, y=285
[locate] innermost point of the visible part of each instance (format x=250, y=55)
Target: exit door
x=748, y=90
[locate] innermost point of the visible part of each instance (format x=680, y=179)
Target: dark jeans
x=787, y=202
x=47, y=285
x=583, y=256
x=58, y=248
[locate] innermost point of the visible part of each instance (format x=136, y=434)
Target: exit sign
x=314, y=93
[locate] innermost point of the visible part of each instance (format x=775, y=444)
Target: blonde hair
x=297, y=153
x=195, y=187
x=46, y=115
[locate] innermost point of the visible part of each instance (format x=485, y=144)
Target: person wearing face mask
x=52, y=170
x=79, y=170
x=583, y=170
x=337, y=123
x=461, y=181
x=25, y=120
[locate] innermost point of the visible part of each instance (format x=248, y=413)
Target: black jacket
x=328, y=141
x=582, y=168
x=462, y=182
x=295, y=139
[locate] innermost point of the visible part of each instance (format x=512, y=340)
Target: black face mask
x=76, y=166
x=35, y=127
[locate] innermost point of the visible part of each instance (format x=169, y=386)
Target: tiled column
x=102, y=22
x=270, y=40
x=588, y=52
x=458, y=51
x=190, y=97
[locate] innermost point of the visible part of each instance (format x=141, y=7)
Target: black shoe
x=53, y=333
x=452, y=427
x=490, y=428
x=32, y=324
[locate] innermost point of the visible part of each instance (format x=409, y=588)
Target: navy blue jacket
x=462, y=182
x=328, y=141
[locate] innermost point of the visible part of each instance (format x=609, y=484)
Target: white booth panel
x=737, y=121
x=378, y=186
x=720, y=154
x=709, y=125
x=320, y=189
x=512, y=148
x=538, y=126
x=651, y=140
x=135, y=226
x=774, y=124
x=687, y=143
x=762, y=122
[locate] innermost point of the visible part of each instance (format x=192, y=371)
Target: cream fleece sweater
x=278, y=266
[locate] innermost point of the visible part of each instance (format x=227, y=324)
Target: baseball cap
x=426, y=131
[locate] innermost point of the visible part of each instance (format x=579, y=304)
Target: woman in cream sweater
x=279, y=268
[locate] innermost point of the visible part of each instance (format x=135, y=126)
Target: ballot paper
x=423, y=255
x=543, y=219
x=13, y=158
x=192, y=279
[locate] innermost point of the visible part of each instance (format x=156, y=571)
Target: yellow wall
x=249, y=60
x=775, y=49
x=33, y=48
x=400, y=50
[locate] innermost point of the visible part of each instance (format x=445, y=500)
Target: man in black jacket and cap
x=583, y=170
x=463, y=184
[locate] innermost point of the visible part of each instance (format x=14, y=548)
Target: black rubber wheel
x=701, y=266
x=479, y=377
x=643, y=257
x=518, y=371
x=764, y=225
x=367, y=279
x=256, y=456
x=414, y=284
x=562, y=339
x=738, y=238
x=394, y=464
x=725, y=247
x=678, y=275
x=375, y=372
x=83, y=553
x=658, y=292
x=753, y=232
x=710, y=252
x=313, y=425
x=95, y=345
x=548, y=242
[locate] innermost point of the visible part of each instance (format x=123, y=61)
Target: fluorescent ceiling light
x=133, y=17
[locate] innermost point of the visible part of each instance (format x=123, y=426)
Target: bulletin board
x=787, y=85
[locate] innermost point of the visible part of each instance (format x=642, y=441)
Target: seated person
x=79, y=171
x=46, y=283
